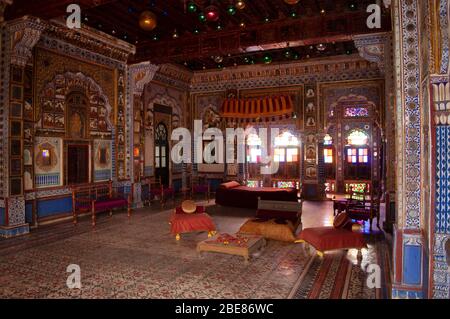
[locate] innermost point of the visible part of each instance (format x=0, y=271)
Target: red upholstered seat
x=330, y=238
x=109, y=204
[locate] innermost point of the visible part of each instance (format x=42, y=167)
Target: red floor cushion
x=276, y=214
x=270, y=229
x=187, y=223
x=330, y=238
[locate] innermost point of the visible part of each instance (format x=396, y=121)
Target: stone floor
x=139, y=258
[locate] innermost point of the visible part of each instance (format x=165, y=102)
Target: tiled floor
x=139, y=258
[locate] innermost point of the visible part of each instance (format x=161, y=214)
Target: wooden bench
x=98, y=198
x=158, y=191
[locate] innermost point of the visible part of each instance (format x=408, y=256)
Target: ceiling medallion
x=148, y=21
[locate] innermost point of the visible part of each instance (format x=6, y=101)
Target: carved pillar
x=377, y=48
x=440, y=278
x=439, y=265
x=18, y=39
x=410, y=246
x=138, y=76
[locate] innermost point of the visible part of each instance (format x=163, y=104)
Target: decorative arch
x=167, y=101
x=53, y=102
x=351, y=100
x=358, y=136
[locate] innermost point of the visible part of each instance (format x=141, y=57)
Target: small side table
x=240, y=245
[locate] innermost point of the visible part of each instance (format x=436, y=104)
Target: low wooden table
x=237, y=244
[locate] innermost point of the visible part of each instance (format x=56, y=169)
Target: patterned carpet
x=339, y=275
x=138, y=258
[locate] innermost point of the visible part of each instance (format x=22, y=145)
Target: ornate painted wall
x=66, y=90
x=305, y=83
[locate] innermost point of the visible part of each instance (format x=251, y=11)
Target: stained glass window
x=357, y=187
x=357, y=138
x=330, y=187
x=358, y=155
x=286, y=184
x=280, y=155
x=328, y=140
x=286, y=139
x=363, y=155
x=328, y=155
x=356, y=112
x=351, y=156
x=254, y=184
x=292, y=155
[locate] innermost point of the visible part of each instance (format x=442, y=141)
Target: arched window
x=286, y=148
x=357, y=156
x=328, y=140
x=357, y=138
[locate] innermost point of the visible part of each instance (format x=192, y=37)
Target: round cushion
x=341, y=220
x=189, y=207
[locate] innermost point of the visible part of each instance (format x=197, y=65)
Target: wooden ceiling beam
x=305, y=31
x=48, y=9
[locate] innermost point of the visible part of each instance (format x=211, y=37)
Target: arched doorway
x=77, y=159
x=162, y=153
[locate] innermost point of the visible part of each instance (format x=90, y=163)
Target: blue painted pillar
x=410, y=231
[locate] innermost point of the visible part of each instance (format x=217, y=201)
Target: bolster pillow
x=229, y=185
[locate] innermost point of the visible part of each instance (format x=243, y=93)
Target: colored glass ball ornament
x=192, y=7
x=148, y=21
x=267, y=59
x=240, y=5
x=202, y=17
x=288, y=54
x=231, y=10
x=291, y=2
x=212, y=13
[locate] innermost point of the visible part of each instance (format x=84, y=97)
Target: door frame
x=167, y=144
x=87, y=143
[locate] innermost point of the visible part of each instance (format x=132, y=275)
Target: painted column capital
x=141, y=74
x=25, y=34
x=374, y=48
